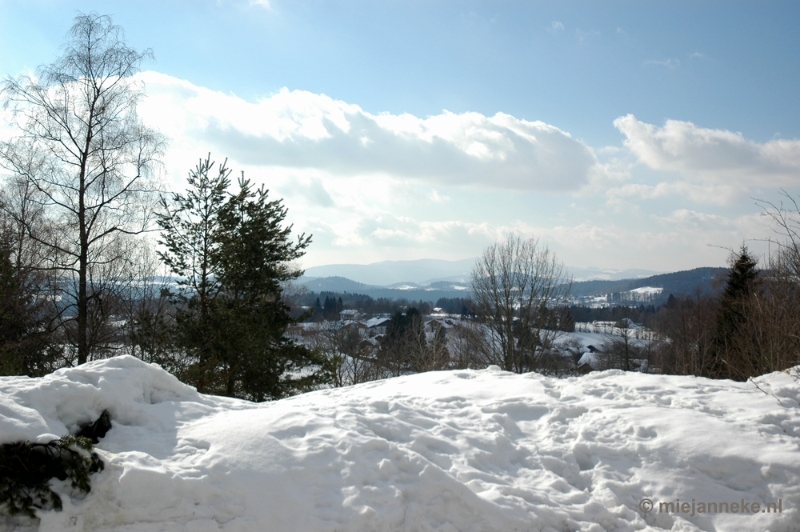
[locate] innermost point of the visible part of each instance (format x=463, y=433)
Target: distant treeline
x=641, y=314
x=327, y=305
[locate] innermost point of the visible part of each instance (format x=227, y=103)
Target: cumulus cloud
x=715, y=154
x=711, y=165
x=7, y=120
x=300, y=129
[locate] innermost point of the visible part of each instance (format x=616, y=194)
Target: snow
x=647, y=290
x=589, y=358
x=585, y=339
x=377, y=322
x=442, y=451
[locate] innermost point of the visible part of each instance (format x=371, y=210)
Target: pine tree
x=253, y=261
x=189, y=225
x=732, y=313
x=26, y=343
x=233, y=255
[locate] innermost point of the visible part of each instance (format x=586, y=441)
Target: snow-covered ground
x=445, y=451
x=647, y=290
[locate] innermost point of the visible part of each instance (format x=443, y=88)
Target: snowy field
x=446, y=451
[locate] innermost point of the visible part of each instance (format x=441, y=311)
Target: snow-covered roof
x=377, y=322
x=590, y=359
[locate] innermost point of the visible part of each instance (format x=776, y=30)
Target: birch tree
x=77, y=118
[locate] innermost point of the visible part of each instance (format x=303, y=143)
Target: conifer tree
x=189, y=224
x=732, y=313
x=252, y=261
x=233, y=255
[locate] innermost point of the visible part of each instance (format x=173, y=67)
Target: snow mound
x=444, y=451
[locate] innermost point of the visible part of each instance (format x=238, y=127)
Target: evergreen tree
x=189, y=227
x=26, y=343
x=234, y=255
x=732, y=313
x=253, y=261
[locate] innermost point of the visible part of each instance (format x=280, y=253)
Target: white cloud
x=683, y=239
x=712, y=156
x=373, y=187
x=299, y=129
x=717, y=194
x=556, y=26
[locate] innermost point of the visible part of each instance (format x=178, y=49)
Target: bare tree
x=469, y=346
x=148, y=312
x=519, y=289
x=685, y=327
x=351, y=360
x=93, y=156
x=786, y=224
x=433, y=354
x=621, y=350
x=768, y=337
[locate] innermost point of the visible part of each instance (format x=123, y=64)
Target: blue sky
x=625, y=134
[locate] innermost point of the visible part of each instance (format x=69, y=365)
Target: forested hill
x=677, y=283
x=684, y=282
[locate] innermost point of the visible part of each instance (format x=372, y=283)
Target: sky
x=622, y=134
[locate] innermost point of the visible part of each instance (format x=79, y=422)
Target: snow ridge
x=443, y=451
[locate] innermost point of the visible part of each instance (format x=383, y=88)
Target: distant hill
x=427, y=271
x=332, y=284
x=677, y=283
x=423, y=271
x=411, y=291
x=607, y=274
